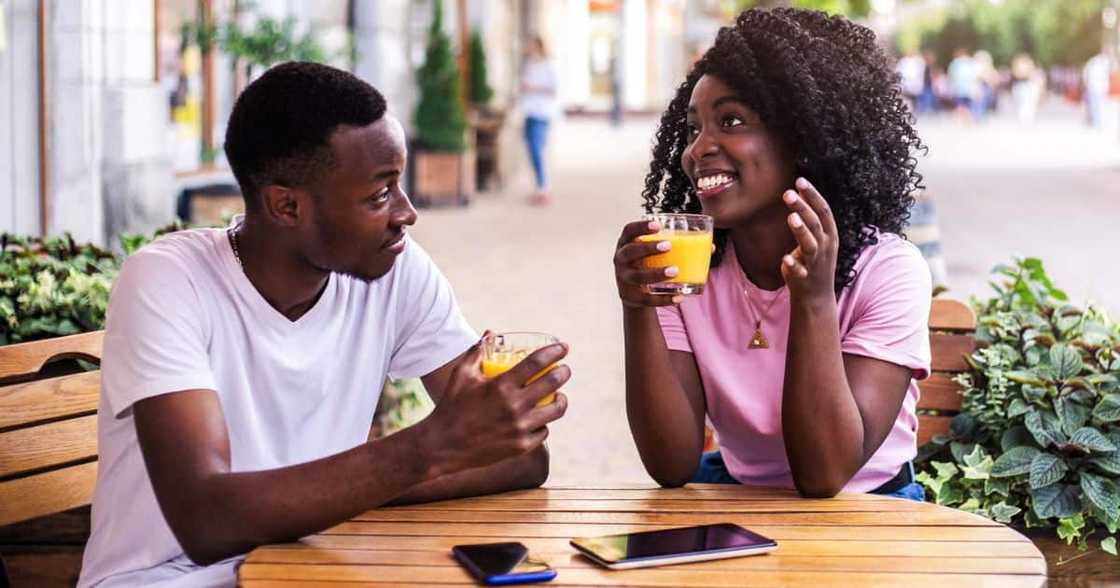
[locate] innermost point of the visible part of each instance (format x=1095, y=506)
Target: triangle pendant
x=758, y=341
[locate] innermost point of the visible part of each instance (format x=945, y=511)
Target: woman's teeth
x=710, y=182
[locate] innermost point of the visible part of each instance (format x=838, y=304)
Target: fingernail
x=795, y=220
x=664, y=246
x=789, y=196
x=789, y=260
x=655, y=226
x=671, y=271
x=802, y=183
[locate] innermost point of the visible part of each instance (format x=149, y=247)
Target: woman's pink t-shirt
x=883, y=313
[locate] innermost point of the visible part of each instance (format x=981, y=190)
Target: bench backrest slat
x=951, y=324
x=48, y=428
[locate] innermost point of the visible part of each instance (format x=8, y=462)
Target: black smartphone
x=673, y=546
x=502, y=564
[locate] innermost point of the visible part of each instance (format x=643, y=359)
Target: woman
x=804, y=348
x=538, y=103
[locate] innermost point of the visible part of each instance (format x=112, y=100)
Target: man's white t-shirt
x=183, y=315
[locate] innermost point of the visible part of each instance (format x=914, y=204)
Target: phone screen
x=653, y=544
x=500, y=559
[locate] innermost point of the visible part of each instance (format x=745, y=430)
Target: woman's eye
x=693, y=130
x=731, y=121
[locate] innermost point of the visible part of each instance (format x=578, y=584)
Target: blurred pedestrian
x=538, y=104
x=1095, y=76
x=911, y=69
x=963, y=82
x=1027, y=84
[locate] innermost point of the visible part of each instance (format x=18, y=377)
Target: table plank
x=930, y=518
x=609, y=518
x=505, y=502
x=674, y=577
x=815, y=547
x=566, y=559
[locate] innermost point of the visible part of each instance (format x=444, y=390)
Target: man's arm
x=215, y=513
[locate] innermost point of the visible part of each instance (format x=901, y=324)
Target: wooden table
x=850, y=540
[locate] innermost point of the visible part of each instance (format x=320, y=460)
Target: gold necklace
x=758, y=340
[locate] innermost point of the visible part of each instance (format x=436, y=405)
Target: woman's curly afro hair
x=823, y=86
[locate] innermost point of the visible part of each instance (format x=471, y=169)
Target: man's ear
x=282, y=205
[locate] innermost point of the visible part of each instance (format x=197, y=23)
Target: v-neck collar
x=256, y=302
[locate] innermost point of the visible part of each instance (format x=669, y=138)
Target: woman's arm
x=860, y=396
x=664, y=395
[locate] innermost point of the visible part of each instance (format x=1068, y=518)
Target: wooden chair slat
x=940, y=392
x=34, y=496
x=52, y=398
x=26, y=359
x=951, y=315
x=53, y=444
x=928, y=426
x=949, y=351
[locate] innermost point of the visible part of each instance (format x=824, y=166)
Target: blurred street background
x=113, y=113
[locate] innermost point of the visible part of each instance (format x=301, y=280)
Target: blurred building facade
x=112, y=107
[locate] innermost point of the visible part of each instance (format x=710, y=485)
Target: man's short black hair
x=279, y=130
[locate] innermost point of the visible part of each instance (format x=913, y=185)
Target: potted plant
x=1037, y=442
x=442, y=166
x=486, y=122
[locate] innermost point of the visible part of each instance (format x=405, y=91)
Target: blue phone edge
x=502, y=579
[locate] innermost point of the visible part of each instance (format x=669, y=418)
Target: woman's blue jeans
x=536, y=133
x=713, y=470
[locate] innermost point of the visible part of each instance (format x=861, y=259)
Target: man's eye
x=382, y=195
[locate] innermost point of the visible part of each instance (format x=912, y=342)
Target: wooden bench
x=48, y=456
x=951, y=324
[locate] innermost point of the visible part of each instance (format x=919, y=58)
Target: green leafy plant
x=480, y=93
x=1038, y=438
x=57, y=286
x=441, y=124
x=271, y=41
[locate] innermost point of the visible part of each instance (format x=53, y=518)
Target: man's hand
x=481, y=421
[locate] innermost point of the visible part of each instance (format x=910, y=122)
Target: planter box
x=441, y=178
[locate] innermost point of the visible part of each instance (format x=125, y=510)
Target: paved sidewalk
x=1051, y=191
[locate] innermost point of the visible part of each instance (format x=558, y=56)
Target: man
x=242, y=366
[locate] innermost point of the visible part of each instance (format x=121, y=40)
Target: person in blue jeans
x=538, y=104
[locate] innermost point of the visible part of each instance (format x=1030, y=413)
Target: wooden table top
x=849, y=540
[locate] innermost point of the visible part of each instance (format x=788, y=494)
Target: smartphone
x=673, y=546
x=502, y=564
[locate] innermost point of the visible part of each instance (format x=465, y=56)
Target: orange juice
x=503, y=351
x=691, y=252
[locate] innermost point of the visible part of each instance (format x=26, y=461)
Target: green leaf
x=1069, y=528
x=1101, y=492
x=1091, y=439
x=960, y=450
x=1038, y=430
x=1003, y=512
x=1046, y=469
x=1001, y=486
x=1055, y=500
x=950, y=495
x=1109, y=462
x=1073, y=414
x=1108, y=409
x=978, y=465
x=1016, y=436
x=945, y=470
x=1014, y=462
x=1066, y=360
x=1026, y=377
x=963, y=426
x=1108, y=544
x=1017, y=407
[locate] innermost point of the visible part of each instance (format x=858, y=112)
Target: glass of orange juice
x=691, y=251
x=502, y=351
